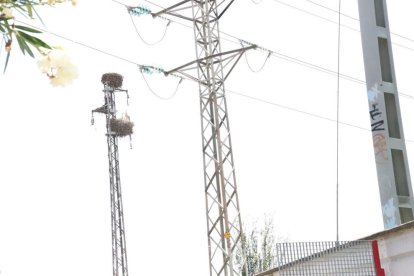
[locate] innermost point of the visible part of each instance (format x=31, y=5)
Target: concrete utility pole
x=224, y=226
x=384, y=110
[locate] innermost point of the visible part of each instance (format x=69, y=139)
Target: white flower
x=53, y=2
x=6, y=13
x=58, y=67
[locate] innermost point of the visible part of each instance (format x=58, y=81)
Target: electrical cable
x=289, y=58
x=316, y=67
x=286, y=57
x=143, y=40
x=356, y=19
x=298, y=61
x=227, y=90
x=256, y=2
x=81, y=44
x=274, y=53
x=332, y=10
x=119, y=3
x=307, y=12
x=137, y=31
x=314, y=14
x=261, y=67
x=307, y=113
x=344, y=26
x=157, y=95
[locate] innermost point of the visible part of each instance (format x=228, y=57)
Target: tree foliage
x=26, y=37
x=260, y=246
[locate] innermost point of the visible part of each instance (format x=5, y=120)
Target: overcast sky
x=54, y=188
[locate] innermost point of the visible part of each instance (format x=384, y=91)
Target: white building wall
x=397, y=253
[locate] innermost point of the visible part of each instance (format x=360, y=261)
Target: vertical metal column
x=384, y=109
x=222, y=204
x=119, y=257
x=111, y=83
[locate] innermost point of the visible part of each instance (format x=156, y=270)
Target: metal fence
x=356, y=258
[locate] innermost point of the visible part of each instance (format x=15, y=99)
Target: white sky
x=54, y=192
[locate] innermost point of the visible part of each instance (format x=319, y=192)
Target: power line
x=143, y=40
x=314, y=14
x=307, y=113
x=237, y=41
x=261, y=67
x=354, y=18
x=332, y=10
x=345, y=26
x=156, y=94
x=286, y=57
x=277, y=54
x=273, y=53
x=136, y=28
x=229, y=91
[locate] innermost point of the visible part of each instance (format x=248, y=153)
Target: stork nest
x=121, y=127
x=113, y=80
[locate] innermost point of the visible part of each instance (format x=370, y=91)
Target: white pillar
x=384, y=110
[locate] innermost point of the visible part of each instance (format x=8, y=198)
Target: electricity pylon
x=112, y=82
x=224, y=226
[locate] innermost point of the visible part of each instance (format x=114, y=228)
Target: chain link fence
x=356, y=258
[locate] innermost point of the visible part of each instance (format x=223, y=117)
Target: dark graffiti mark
x=374, y=112
x=377, y=125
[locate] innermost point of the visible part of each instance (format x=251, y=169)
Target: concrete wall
x=396, y=249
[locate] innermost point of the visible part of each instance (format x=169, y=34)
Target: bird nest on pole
x=121, y=127
x=113, y=80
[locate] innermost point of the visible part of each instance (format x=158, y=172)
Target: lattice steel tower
x=224, y=227
x=115, y=128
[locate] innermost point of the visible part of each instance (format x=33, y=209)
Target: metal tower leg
x=119, y=256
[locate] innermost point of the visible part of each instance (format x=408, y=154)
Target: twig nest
x=121, y=127
x=113, y=80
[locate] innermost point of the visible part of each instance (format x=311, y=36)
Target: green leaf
x=7, y=62
x=2, y=29
x=24, y=47
x=6, y=23
x=29, y=10
x=21, y=43
x=27, y=29
x=36, y=42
